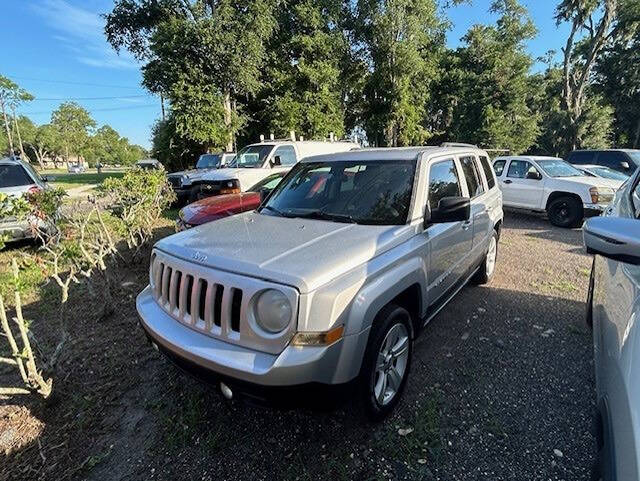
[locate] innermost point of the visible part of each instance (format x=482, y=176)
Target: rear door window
x=443, y=182
x=488, y=172
x=472, y=176
x=14, y=176
x=582, y=157
x=613, y=160
x=498, y=167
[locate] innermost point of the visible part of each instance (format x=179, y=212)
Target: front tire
x=386, y=363
x=565, y=212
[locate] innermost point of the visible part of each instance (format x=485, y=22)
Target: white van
x=257, y=161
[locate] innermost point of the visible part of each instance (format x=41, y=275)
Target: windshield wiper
x=323, y=215
x=273, y=209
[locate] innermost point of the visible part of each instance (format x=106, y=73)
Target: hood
x=303, y=253
x=192, y=173
x=216, y=207
x=592, y=181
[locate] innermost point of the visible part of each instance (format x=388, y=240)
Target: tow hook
x=226, y=391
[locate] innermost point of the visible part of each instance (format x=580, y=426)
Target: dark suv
x=625, y=161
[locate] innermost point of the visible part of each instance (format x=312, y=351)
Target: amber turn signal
x=318, y=338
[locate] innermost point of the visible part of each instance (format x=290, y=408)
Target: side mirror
x=625, y=165
x=450, y=209
x=264, y=193
x=276, y=161
x=616, y=238
x=534, y=175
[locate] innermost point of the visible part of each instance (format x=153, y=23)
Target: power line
x=73, y=83
x=131, y=107
x=93, y=98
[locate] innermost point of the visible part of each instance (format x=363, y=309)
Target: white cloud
x=82, y=31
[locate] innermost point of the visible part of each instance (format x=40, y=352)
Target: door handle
x=508, y=181
x=466, y=225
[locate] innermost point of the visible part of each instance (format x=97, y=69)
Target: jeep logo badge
x=199, y=256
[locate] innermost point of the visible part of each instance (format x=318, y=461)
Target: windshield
x=608, y=173
x=251, y=157
x=559, y=168
x=362, y=192
x=208, y=161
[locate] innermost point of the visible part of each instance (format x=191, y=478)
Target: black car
x=622, y=160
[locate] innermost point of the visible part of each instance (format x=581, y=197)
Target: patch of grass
x=70, y=181
x=424, y=441
x=180, y=427
x=171, y=214
x=560, y=286
x=584, y=272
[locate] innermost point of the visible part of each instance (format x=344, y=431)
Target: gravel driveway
x=501, y=389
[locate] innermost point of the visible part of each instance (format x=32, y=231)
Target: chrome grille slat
x=203, y=299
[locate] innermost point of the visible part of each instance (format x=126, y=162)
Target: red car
x=219, y=206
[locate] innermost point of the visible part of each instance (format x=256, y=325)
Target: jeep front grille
x=214, y=302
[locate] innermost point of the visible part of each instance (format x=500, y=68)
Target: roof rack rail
x=457, y=144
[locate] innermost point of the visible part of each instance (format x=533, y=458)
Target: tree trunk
x=228, y=119
x=15, y=122
x=6, y=126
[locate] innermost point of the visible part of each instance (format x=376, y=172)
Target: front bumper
x=595, y=209
x=15, y=231
x=335, y=364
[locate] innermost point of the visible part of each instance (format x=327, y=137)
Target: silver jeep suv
x=332, y=278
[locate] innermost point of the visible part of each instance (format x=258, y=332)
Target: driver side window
x=518, y=169
x=287, y=155
x=443, y=182
x=636, y=200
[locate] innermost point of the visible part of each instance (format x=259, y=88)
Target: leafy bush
x=138, y=199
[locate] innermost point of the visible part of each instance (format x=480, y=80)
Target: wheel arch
x=557, y=194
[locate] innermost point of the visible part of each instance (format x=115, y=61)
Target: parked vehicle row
x=183, y=182
x=331, y=279
x=551, y=185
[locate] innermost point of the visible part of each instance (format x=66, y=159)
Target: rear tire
x=386, y=363
x=565, y=212
x=488, y=267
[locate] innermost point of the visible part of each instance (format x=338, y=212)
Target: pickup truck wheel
x=565, y=212
x=386, y=362
x=488, y=267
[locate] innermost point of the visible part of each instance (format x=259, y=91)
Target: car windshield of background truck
x=362, y=192
x=559, y=168
x=251, y=157
x=208, y=161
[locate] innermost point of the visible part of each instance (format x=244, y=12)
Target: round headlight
x=273, y=311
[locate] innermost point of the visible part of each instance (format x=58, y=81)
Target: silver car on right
x=613, y=310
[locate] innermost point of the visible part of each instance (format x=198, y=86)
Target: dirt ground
x=501, y=389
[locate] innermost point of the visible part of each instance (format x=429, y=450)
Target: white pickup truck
x=551, y=185
x=257, y=161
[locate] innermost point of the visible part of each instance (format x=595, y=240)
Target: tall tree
x=485, y=94
x=617, y=76
x=72, y=123
x=304, y=81
x=400, y=41
x=580, y=56
x=219, y=43
x=46, y=143
x=11, y=96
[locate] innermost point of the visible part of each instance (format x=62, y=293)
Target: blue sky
x=62, y=54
